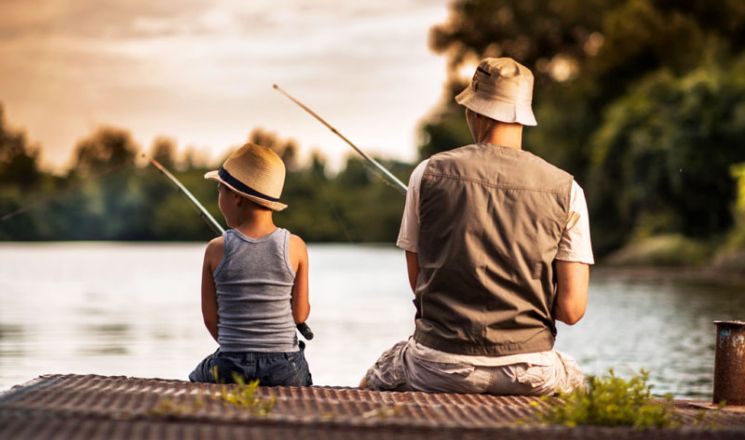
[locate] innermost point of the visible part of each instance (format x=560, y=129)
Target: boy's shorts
x=398, y=369
x=272, y=369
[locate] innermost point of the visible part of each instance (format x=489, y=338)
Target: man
x=497, y=247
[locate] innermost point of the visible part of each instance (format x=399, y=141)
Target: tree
x=608, y=74
x=106, y=149
x=18, y=159
x=285, y=148
x=669, y=145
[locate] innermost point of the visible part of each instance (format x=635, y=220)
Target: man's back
x=491, y=219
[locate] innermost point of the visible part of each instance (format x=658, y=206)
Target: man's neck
x=505, y=135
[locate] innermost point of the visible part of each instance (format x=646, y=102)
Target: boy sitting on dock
x=254, y=278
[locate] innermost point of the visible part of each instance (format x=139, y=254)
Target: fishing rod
x=206, y=216
x=393, y=179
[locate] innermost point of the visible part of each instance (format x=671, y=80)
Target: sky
x=201, y=72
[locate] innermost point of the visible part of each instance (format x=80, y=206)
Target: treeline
x=643, y=101
x=111, y=193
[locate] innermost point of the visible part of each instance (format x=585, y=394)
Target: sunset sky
x=201, y=72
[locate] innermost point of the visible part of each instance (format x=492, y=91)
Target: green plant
x=167, y=407
x=244, y=395
x=613, y=401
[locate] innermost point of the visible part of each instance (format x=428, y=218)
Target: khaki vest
x=491, y=219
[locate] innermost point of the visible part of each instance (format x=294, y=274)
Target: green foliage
x=613, y=401
x=18, y=159
x=241, y=395
x=667, y=147
x=246, y=396
x=737, y=236
x=169, y=408
x=108, y=196
x=641, y=100
x=662, y=250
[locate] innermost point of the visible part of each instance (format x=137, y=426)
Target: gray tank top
x=254, y=287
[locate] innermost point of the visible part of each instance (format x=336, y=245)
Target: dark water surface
x=133, y=309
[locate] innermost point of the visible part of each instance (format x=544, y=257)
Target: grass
x=613, y=401
x=243, y=395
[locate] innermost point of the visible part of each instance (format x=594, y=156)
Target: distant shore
x=692, y=274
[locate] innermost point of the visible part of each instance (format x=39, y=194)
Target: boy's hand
x=305, y=331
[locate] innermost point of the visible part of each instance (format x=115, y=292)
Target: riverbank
x=91, y=407
x=707, y=275
x=674, y=256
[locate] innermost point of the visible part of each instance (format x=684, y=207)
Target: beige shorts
x=398, y=369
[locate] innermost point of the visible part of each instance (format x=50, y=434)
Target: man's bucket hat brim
x=498, y=110
x=273, y=205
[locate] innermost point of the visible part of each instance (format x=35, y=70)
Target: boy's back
x=254, y=289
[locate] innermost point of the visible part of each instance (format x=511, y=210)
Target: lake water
x=133, y=309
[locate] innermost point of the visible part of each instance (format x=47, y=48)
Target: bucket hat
x=256, y=173
x=501, y=89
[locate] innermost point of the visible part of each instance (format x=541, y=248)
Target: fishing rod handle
x=305, y=331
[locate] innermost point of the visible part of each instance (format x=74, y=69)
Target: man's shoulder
x=547, y=166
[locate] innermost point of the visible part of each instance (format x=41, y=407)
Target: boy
x=254, y=278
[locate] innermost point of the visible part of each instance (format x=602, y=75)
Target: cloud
x=203, y=69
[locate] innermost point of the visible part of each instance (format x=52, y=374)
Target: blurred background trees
x=110, y=193
x=642, y=100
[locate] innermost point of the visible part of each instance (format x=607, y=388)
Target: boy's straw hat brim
x=254, y=172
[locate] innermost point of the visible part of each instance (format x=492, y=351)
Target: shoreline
x=695, y=274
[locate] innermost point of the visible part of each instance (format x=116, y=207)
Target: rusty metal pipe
x=729, y=366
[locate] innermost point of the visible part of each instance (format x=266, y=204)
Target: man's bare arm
x=571, y=297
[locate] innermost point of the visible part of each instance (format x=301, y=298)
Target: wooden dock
x=111, y=408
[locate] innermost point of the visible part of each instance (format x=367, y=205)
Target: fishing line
x=60, y=194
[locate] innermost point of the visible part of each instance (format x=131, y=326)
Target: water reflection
x=110, y=339
x=86, y=315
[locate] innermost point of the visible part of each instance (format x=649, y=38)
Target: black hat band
x=242, y=187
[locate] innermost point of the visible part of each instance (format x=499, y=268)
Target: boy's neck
x=255, y=223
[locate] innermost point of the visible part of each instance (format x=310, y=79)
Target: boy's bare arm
x=573, y=280
x=299, y=260
x=212, y=257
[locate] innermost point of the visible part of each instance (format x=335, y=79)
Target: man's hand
x=571, y=296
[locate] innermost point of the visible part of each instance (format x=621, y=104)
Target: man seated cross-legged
x=497, y=245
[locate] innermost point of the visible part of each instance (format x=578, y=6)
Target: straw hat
x=501, y=89
x=256, y=173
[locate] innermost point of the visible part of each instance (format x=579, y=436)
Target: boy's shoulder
x=216, y=242
x=215, y=249
x=296, y=239
x=297, y=244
